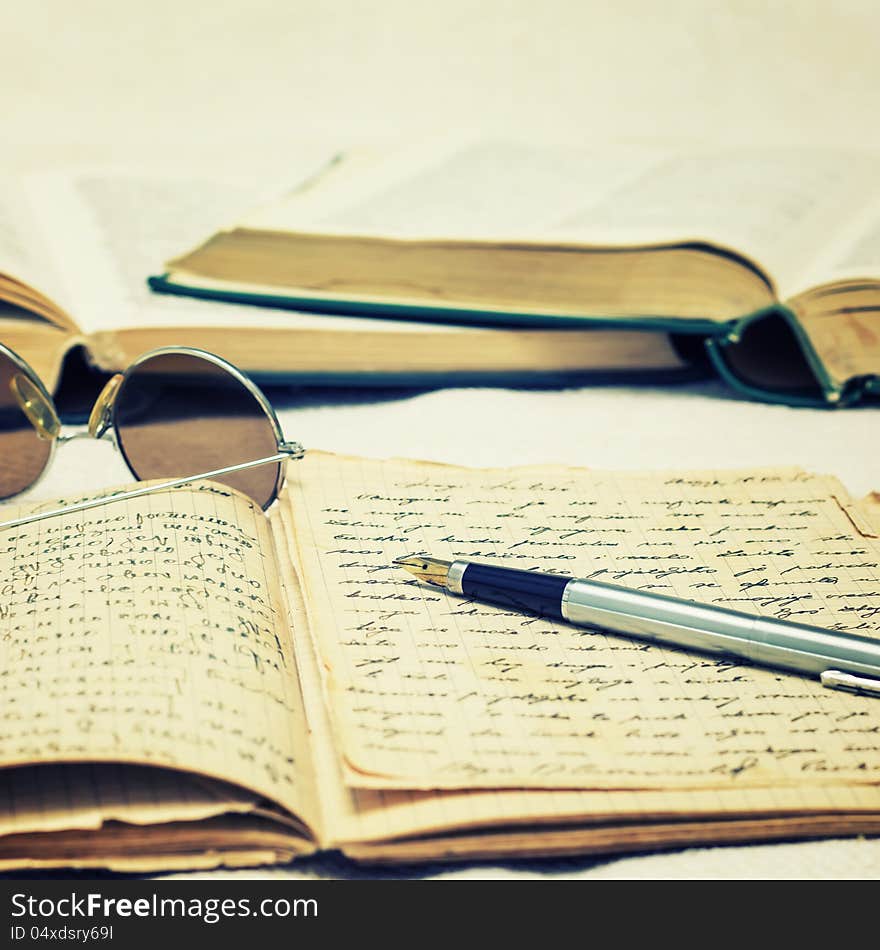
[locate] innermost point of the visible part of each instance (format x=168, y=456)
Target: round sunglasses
x=176, y=413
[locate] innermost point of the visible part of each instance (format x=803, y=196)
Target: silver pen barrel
x=841, y=660
x=760, y=640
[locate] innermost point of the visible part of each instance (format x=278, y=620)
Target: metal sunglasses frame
x=103, y=425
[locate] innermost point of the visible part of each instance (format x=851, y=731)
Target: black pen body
x=525, y=591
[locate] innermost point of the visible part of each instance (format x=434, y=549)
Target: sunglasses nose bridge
x=37, y=407
x=101, y=416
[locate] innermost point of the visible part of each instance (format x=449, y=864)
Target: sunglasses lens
x=23, y=412
x=179, y=414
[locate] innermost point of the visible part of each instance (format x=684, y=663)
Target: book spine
x=728, y=348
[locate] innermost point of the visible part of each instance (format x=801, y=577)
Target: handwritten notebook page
x=427, y=690
x=151, y=631
x=385, y=824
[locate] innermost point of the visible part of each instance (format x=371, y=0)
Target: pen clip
x=834, y=679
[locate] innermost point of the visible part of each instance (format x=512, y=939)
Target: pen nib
x=431, y=570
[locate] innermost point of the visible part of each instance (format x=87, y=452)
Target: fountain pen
x=840, y=660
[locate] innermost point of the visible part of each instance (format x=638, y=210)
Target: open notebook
x=187, y=682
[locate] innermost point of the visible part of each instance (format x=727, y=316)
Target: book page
x=109, y=229
x=42, y=799
x=778, y=206
x=446, y=189
x=852, y=253
x=861, y=258
x=427, y=690
x=362, y=815
x=25, y=258
x=152, y=631
x=112, y=228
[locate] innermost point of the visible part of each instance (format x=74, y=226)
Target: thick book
x=189, y=682
x=77, y=246
x=770, y=256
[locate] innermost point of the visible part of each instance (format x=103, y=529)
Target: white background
x=226, y=70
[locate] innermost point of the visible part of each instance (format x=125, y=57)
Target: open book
x=76, y=247
x=188, y=682
x=770, y=255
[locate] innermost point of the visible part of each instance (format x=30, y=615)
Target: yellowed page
x=152, y=631
x=356, y=816
x=228, y=840
x=51, y=798
x=430, y=691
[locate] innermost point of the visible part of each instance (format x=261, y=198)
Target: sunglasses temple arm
x=288, y=450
